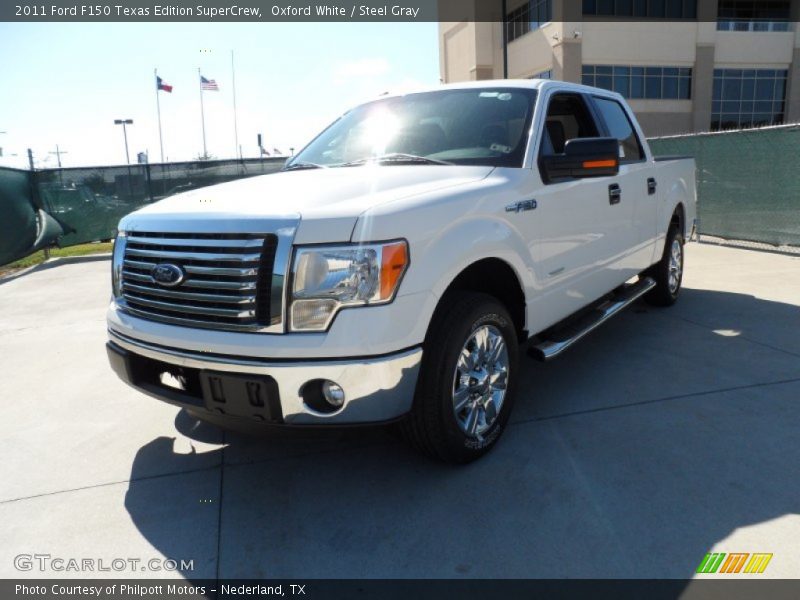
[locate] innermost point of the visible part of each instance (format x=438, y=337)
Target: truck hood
x=333, y=198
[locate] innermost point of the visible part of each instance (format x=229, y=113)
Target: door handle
x=651, y=185
x=614, y=194
x=521, y=206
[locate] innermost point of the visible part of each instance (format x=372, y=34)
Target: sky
x=64, y=84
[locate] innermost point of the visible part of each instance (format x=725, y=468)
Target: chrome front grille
x=228, y=280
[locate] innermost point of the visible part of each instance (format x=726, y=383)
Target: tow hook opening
x=172, y=380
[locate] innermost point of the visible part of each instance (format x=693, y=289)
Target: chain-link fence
x=748, y=183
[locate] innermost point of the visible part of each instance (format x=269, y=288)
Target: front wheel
x=466, y=387
x=668, y=272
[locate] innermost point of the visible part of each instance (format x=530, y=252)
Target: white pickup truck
x=395, y=267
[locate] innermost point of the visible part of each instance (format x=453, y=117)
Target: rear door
x=631, y=224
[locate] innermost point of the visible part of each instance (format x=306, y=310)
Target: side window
x=567, y=118
x=620, y=127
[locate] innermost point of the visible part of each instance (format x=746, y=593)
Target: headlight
x=117, y=257
x=328, y=278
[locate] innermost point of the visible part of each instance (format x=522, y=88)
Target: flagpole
x=202, y=113
x=235, y=127
x=158, y=109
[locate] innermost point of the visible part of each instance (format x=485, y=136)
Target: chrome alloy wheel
x=480, y=380
x=675, y=266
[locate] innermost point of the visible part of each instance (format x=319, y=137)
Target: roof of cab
x=535, y=84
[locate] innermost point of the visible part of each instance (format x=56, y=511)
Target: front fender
x=438, y=258
x=464, y=243
x=447, y=232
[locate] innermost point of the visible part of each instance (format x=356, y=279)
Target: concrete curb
x=55, y=262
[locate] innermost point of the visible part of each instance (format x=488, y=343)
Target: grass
x=38, y=257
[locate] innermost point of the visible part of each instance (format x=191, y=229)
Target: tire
x=464, y=321
x=668, y=272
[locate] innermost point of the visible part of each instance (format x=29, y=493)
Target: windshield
x=485, y=126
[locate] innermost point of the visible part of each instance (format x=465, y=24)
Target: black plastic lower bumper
x=253, y=397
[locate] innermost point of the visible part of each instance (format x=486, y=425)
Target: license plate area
x=250, y=396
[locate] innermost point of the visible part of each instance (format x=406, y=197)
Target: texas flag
x=160, y=85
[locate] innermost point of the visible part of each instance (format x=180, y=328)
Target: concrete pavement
x=666, y=434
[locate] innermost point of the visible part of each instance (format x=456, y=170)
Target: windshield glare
x=486, y=126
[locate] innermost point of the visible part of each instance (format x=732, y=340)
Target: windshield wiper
x=298, y=166
x=396, y=159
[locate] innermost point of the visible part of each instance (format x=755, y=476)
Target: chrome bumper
x=376, y=388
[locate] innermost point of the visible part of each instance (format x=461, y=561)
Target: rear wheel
x=466, y=386
x=668, y=272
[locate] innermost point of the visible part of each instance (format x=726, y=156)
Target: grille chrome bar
x=197, y=270
x=186, y=321
x=208, y=243
x=222, y=298
x=215, y=284
x=194, y=309
x=231, y=281
x=169, y=254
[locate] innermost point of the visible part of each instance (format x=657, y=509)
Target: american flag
x=208, y=84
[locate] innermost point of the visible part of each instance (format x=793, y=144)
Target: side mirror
x=583, y=157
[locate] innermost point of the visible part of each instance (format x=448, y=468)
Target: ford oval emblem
x=167, y=275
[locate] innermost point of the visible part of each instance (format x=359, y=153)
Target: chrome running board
x=570, y=332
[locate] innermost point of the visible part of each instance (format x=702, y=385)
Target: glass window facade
x=728, y=25
x=528, y=17
x=754, y=10
x=748, y=98
x=647, y=9
x=651, y=83
x=753, y=15
x=543, y=75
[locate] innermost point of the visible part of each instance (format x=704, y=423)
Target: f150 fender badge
x=167, y=275
x=521, y=206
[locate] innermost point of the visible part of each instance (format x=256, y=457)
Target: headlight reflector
x=328, y=278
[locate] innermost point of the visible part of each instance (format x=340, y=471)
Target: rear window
x=620, y=127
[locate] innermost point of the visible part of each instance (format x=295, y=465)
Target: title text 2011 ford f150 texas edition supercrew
x=395, y=266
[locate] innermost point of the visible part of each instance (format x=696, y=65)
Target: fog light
x=333, y=393
x=322, y=396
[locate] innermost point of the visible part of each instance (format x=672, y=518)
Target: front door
x=574, y=246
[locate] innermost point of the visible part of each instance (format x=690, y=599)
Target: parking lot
x=666, y=434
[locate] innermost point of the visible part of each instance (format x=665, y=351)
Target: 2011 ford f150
x=397, y=264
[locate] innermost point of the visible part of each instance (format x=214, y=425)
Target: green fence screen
x=89, y=202
x=748, y=189
x=748, y=182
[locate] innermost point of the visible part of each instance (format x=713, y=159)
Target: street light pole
x=125, y=122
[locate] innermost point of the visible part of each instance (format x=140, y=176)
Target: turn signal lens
x=394, y=259
x=599, y=164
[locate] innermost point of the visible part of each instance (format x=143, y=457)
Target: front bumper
x=377, y=388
